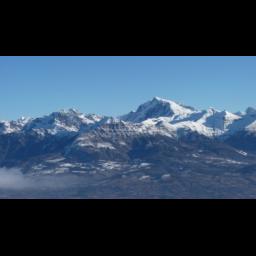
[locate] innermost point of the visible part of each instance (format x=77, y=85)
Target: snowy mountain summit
x=158, y=107
x=157, y=116
x=178, y=118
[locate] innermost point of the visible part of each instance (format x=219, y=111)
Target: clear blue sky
x=34, y=86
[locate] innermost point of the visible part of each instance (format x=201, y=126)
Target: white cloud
x=13, y=179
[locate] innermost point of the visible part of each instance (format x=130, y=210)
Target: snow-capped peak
x=7, y=127
x=23, y=120
x=71, y=111
x=177, y=116
x=158, y=107
x=247, y=122
x=61, y=122
x=171, y=102
x=219, y=120
x=156, y=115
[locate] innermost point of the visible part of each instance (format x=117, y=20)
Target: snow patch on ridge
x=157, y=116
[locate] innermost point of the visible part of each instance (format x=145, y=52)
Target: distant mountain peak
x=156, y=98
x=158, y=114
x=172, y=102
x=68, y=111
x=157, y=107
x=250, y=111
x=213, y=110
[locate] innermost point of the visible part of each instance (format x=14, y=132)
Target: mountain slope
x=162, y=150
x=61, y=123
x=160, y=130
x=158, y=107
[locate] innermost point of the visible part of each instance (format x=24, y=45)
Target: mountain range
x=162, y=141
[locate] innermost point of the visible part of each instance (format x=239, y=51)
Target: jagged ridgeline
x=160, y=132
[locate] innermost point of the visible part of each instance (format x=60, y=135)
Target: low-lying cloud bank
x=14, y=179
